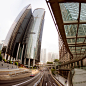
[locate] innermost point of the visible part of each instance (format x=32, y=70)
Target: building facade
x=23, y=40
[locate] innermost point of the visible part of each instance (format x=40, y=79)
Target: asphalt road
x=48, y=80
x=28, y=81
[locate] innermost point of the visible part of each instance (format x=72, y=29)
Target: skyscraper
x=43, y=55
x=24, y=37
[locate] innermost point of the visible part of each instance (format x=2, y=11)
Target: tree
x=49, y=62
x=56, y=60
x=0, y=57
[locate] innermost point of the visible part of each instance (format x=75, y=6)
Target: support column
x=24, y=61
x=70, y=65
x=11, y=58
x=78, y=63
x=5, y=56
x=22, y=54
x=73, y=65
x=81, y=63
x=33, y=62
x=8, y=57
x=17, y=51
x=29, y=63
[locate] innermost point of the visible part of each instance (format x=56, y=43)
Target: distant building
x=49, y=57
x=43, y=55
x=23, y=40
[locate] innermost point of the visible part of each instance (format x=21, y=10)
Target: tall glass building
x=23, y=40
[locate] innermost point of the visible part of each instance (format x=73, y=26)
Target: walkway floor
x=61, y=79
x=79, y=78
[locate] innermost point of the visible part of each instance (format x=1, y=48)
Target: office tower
x=23, y=40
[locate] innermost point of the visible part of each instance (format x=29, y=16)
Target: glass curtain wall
x=34, y=33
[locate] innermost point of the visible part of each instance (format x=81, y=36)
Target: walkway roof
x=69, y=17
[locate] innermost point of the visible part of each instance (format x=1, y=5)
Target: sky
x=9, y=10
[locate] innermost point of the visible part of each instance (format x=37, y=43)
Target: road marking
x=26, y=81
x=46, y=84
x=54, y=84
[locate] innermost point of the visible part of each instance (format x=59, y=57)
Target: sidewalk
x=61, y=79
x=79, y=78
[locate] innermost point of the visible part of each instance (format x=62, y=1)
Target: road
x=48, y=80
x=28, y=81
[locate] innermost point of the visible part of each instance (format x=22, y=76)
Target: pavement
x=61, y=80
x=11, y=74
x=79, y=78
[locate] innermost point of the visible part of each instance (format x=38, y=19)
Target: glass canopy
x=74, y=19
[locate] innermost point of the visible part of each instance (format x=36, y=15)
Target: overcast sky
x=9, y=10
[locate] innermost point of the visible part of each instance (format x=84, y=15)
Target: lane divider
x=26, y=81
x=38, y=80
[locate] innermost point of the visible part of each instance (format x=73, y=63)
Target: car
x=32, y=75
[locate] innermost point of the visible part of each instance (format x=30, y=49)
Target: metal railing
x=39, y=82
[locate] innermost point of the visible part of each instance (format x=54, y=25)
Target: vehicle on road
x=32, y=75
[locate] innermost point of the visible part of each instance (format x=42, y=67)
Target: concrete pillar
x=73, y=65
x=5, y=56
x=17, y=51
x=24, y=61
x=11, y=58
x=8, y=57
x=33, y=62
x=29, y=63
x=81, y=63
x=22, y=54
x=78, y=63
x=14, y=59
x=70, y=65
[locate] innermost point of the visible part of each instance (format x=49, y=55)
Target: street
x=48, y=80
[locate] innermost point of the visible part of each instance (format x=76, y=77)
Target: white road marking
x=26, y=81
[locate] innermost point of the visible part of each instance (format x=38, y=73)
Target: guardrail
x=39, y=82
x=58, y=82
x=18, y=72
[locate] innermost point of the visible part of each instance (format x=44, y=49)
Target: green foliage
x=10, y=61
x=49, y=62
x=53, y=70
x=34, y=67
x=16, y=63
x=56, y=60
x=0, y=57
x=4, y=60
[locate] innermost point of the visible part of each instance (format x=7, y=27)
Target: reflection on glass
x=80, y=40
x=71, y=40
x=82, y=29
x=70, y=30
x=34, y=38
x=83, y=11
x=69, y=11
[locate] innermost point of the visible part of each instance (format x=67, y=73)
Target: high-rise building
x=43, y=55
x=1, y=44
x=50, y=57
x=23, y=40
